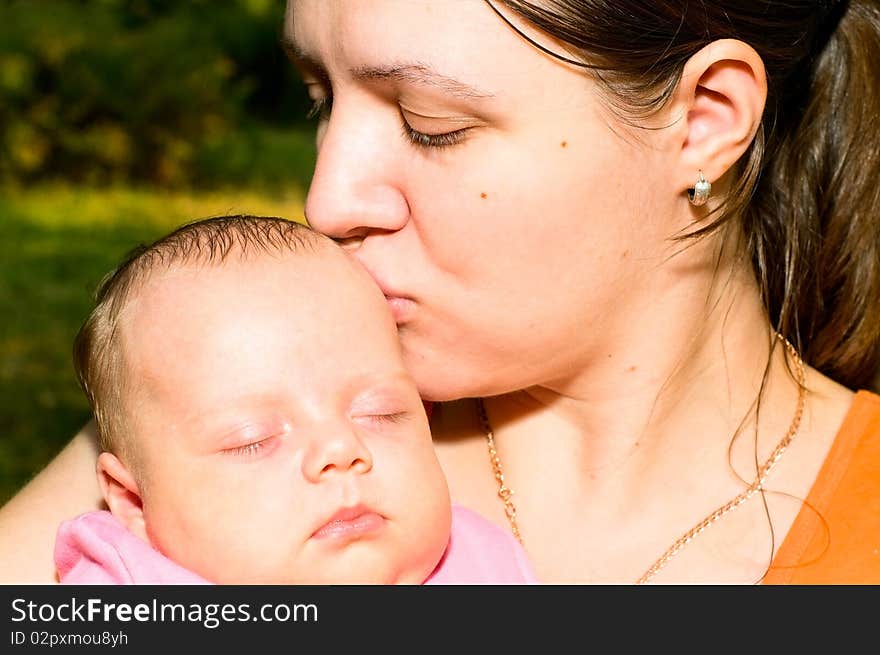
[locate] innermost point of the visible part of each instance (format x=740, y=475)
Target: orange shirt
x=840, y=544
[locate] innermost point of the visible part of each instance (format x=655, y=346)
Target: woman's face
x=483, y=184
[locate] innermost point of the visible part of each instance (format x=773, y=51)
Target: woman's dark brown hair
x=808, y=189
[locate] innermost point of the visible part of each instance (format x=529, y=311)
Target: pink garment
x=479, y=552
x=95, y=548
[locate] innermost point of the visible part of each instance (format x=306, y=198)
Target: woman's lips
x=402, y=309
x=350, y=523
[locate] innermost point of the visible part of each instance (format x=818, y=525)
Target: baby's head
x=258, y=423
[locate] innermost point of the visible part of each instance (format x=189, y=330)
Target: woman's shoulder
x=857, y=442
x=846, y=414
x=866, y=402
x=860, y=429
x=841, y=422
x=835, y=537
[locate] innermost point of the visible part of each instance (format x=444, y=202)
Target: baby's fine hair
x=97, y=355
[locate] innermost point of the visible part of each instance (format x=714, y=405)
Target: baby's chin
x=371, y=569
x=358, y=566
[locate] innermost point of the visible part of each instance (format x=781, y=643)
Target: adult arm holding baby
x=29, y=521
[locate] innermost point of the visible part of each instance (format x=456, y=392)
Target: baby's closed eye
x=252, y=439
x=379, y=420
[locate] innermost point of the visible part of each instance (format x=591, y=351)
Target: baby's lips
x=350, y=522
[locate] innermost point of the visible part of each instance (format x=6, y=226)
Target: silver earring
x=700, y=193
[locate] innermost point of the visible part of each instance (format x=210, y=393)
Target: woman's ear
x=720, y=99
x=121, y=493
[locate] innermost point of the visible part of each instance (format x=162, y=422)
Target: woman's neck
x=671, y=385
x=654, y=430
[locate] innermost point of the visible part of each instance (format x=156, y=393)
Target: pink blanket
x=94, y=548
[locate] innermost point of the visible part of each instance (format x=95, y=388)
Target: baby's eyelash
x=398, y=417
x=379, y=420
x=248, y=449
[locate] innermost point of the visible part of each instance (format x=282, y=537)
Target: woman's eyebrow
x=422, y=75
x=419, y=74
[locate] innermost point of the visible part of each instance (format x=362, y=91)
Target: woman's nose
x=354, y=190
x=336, y=450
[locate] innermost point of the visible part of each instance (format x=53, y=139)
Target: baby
x=258, y=426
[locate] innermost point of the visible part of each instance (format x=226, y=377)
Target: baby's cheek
x=417, y=468
x=182, y=512
x=169, y=528
x=193, y=531
x=427, y=535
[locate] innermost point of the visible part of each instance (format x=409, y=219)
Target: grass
x=56, y=243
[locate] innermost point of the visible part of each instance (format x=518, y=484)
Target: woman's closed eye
x=322, y=106
x=441, y=140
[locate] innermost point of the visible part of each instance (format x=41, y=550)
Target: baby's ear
x=121, y=493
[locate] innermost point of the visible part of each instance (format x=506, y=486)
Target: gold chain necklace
x=506, y=493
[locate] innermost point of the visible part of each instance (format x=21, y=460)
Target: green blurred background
x=119, y=120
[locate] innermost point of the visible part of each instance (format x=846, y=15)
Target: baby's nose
x=339, y=451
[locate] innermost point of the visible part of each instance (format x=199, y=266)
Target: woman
x=625, y=226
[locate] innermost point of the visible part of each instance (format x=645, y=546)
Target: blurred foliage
x=56, y=243
x=109, y=91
